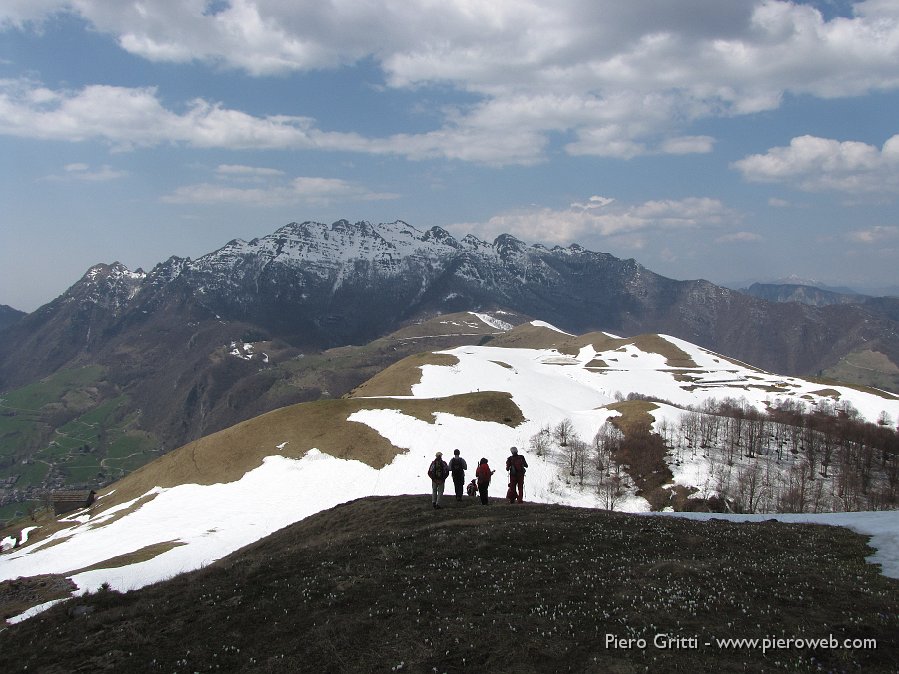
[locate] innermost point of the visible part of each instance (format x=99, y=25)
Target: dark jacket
x=458, y=466
x=516, y=465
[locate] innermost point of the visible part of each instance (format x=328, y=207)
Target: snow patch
x=493, y=322
x=544, y=324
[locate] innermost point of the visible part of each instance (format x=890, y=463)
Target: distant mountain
x=9, y=316
x=805, y=294
x=795, y=280
x=315, y=285
x=169, y=345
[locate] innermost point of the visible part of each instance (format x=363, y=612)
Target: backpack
x=516, y=466
x=439, y=469
x=483, y=473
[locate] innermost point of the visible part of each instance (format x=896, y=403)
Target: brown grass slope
x=399, y=378
x=388, y=584
x=529, y=336
x=227, y=455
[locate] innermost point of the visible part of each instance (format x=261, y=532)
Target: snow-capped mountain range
x=213, y=496
x=321, y=284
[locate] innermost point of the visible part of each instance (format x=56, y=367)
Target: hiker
x=458, y=467
x=516, y=465
x=438, y=471
x=483, y=474
x=473, y=486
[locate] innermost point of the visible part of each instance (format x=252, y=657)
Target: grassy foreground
x=388, y=584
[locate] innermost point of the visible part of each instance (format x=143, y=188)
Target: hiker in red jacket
x=483, y=474
x=516, y=465
x=438, y=471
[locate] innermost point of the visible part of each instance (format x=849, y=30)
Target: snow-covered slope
x=164, y=530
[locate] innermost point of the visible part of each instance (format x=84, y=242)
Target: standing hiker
x=483, y=474
x=438, y=471
x=516, y=465
x=458, y=467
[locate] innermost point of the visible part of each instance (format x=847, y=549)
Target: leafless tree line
x=792, y=457
x=589, y=465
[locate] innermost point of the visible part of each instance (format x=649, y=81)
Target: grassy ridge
x=227, y=455
x=388, y=584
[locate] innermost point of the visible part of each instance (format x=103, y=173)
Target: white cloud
x=604, y=217
x=740, y=237
x=622, y=79
x=135, y=117
x=688, y=145
x=874, y=235
x=246, y=174
x=821, y=164
x=239, y=170
x=81, y=172
x=18, y=13
x=300, y=190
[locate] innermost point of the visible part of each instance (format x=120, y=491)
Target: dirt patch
x=634, y=414
x=144, y=554
x=21, y=594
x=649, y=343
x=642, y=452
x=399, y=378
x=527, y=336
x=597, y=364
x=827, y=393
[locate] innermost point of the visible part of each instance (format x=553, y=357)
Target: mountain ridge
x=323, y=285
x=9, y=316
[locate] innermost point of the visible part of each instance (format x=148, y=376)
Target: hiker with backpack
x=458, y=467
x=516, y=464
x=438, y=471
x=483, y=475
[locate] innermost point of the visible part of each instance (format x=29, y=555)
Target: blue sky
x=733, y=140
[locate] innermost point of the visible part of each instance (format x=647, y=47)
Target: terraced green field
x=72, y=429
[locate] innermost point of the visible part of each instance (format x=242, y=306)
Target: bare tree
x=540, y=442
x=611, y=491
x=575, y=451
x=562, y=432
x=580, y=451
x=605, y=443
x=810, y=442
x=750, y=487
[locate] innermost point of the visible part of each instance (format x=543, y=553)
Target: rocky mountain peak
x=111, y=286
x=441, y=236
